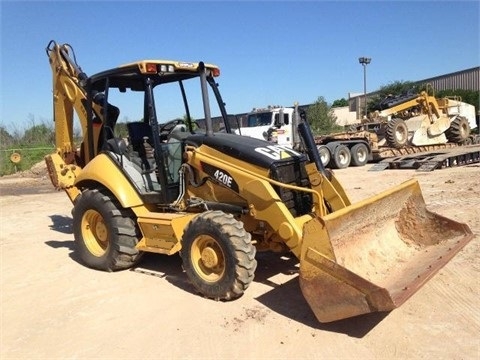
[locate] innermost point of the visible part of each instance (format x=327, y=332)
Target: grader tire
x=105, y=233
x=396, y=133
x=458, y=131
x=218, y=256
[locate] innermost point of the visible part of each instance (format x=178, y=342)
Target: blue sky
x=269, y=52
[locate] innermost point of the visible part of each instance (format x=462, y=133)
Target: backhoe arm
x=69, y=94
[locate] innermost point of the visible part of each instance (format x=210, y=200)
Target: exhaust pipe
x=206, y=102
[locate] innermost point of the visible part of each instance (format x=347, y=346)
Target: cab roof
x=132, y=75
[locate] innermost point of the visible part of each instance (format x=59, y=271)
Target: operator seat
x=137, y=132
x=140, y=138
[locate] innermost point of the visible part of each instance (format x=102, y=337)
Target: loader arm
x=263, y=201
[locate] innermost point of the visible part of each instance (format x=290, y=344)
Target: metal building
x=468, y=79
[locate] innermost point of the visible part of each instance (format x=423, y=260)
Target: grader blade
x=373, y=255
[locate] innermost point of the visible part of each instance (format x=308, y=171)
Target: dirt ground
x=52, y=307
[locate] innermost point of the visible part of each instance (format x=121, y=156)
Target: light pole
x=364, y=61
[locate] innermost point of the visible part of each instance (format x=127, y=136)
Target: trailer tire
x=459, y=130
x=218, y=255
x=359, y=154
x=396, y=133
x=325, y=155
x=105, y=233
x=341, y=157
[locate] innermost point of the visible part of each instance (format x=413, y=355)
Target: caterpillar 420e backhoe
x=217, y=198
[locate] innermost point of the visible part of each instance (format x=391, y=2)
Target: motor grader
x=421, y=119
x=217, y=198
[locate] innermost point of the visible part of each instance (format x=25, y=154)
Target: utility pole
x=364, y=61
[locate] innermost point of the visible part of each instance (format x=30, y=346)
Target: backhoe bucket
x=373, y=255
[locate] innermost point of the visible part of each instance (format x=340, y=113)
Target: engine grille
x=293, y=172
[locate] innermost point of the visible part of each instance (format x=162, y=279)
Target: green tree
x=393, y=89
x=321, y=117
x=38, y=135
x=190, y=122
x=340, y=103
x=469, y=96
x=121, y=130
x=6, y=140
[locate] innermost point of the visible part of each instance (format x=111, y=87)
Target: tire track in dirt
x=451, y=287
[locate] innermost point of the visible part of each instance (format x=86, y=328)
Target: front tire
x=218, y=256
x=105, y=233
x=396, y=133
x=459, y=130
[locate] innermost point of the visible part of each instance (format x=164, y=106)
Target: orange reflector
x=215, y=72
x=151, y=68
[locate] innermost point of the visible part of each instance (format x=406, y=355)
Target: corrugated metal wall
x=468, y=79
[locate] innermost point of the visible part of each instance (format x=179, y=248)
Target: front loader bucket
x=373, y=255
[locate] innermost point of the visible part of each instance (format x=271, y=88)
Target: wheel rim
x=464, y=129
x=208, y=258
x=324, y=154
x=362, y=155
x=344, y=157
x=401, y=134
x=94, y=232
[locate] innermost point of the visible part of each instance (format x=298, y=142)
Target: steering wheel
x=166, y=129
x=170, y=125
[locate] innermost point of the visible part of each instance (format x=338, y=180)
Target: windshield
x=170, y=105
x=259, y=119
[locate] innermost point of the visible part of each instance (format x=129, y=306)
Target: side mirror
x=303, y=116
x=279, y=119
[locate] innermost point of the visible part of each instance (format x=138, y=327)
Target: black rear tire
x=359, y=154
x=105, y=233
x=459, y=130
x=341, y=157
x=396, y=133
x=218, y=255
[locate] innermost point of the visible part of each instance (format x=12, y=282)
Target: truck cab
x=273, y=124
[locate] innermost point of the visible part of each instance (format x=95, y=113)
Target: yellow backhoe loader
x=217, y=198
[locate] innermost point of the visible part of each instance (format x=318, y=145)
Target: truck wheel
x=359, y=154
x=105, y=233
x=341, y=157
x=218, y=256
x=324, y=153
x=459, y=130
x=396, y=133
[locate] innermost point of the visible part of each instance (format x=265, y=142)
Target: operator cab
x=152, y=93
